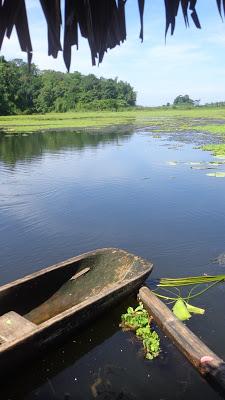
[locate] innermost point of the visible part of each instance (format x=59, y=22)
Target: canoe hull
x=61, y=326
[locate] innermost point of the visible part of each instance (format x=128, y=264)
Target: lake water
x=62, y=194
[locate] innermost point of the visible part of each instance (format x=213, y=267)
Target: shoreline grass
x=160, y=119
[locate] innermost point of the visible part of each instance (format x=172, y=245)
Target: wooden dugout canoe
x=44, y=307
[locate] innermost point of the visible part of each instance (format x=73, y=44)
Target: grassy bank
x=205, y=119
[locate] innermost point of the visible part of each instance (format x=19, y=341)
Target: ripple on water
x=62, y=203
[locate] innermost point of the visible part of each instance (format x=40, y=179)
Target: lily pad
x=216, y=163
x=202, y=167
x=217, y=174
x=172, y=162
x=180, y=310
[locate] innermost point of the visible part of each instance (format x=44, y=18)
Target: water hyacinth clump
x=139, y=321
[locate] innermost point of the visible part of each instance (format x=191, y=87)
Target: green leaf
x=195, y=310
x=139, y=308
x=138, y=320
x=149, y=356
x=130, y=310
x=180, y=310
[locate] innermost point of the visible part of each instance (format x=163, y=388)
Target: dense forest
x=36, y=91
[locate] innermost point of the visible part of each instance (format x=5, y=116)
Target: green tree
x=24, y=90
x=183, y=101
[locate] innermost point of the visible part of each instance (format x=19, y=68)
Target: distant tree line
x=216, y=104
x=36, y=91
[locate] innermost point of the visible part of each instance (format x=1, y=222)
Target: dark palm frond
x=22, y=30
x=70, y=30
x=194, y=13
x=14, y=14
x=141, y=5
x=220, y=5
x=2, y=23
x=172, y=6
x=52, y=11
x=101, y=22
x=184, y=5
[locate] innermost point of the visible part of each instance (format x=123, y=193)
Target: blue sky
x=192, y=61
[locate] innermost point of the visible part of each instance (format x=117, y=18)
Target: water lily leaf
x=217, y=174
x=172, y=162
x=217, y=163
x=181, y=311
x=195, y=310
x=202, y=167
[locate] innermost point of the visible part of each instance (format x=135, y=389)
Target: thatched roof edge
x=101, y=22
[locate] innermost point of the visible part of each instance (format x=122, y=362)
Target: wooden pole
x=200, y=356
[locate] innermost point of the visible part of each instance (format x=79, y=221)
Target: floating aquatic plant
x=190, y=280
x=182, y=308
x=139, y=321
x=217, y=174
x=172, y=162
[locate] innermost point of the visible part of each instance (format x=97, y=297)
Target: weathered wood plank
x=200, y=356
x=78, y=274
x=14, y=326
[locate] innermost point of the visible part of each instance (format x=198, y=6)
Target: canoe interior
x=44, y=296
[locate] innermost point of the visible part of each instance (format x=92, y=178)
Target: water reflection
x=14, y=148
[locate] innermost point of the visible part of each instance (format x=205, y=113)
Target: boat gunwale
x=62, y=264
x=72, y=310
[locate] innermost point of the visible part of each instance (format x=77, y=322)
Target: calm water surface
x=62, y=194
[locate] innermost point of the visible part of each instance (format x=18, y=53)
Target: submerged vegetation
x=139, y=321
